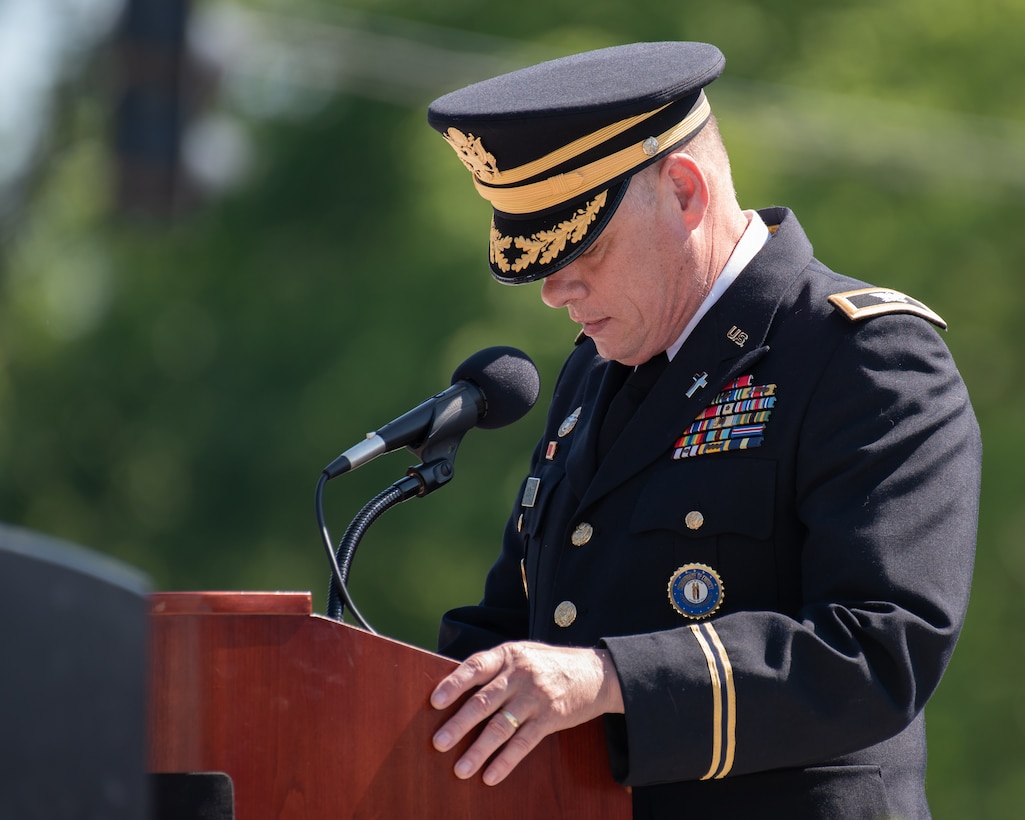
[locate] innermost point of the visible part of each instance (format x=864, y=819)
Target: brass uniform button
x=581, y=534
x=565, y=614
x=694, y=520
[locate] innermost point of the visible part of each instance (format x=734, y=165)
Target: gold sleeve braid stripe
x=548, y=193
x=724, y=701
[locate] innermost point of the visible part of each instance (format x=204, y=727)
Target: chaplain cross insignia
x=700, y=380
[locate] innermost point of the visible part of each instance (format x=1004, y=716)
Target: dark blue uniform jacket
x=818, y=540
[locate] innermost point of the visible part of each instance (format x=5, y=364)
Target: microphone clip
x=431, y=475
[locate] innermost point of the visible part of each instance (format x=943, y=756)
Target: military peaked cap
x=552, y=147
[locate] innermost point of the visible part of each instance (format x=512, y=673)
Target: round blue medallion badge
x=695, y=591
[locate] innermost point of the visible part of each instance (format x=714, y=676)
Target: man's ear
x=689, y=185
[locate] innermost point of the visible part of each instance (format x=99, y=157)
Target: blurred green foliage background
x=177, y=366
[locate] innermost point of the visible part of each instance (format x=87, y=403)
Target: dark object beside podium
x=72, y=687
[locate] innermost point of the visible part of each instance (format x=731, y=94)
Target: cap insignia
x=471, y=151
x=544, y=246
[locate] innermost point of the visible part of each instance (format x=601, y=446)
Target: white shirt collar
x=755, y=236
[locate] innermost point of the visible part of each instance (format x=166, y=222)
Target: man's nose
x=562, y=287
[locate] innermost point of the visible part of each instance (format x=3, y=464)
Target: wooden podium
x=313, y=719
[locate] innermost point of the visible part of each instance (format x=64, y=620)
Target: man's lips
x=591, y=327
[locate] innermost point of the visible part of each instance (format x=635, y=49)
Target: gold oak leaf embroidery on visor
x=544, y=246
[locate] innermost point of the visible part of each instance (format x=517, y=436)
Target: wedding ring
x=511, y=718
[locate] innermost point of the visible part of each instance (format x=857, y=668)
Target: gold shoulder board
x=868, y=302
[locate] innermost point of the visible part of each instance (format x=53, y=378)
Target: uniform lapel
x=668, y=410
x=725, y=345
x=581, y=463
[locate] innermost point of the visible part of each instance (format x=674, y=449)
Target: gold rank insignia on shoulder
x=868, y=302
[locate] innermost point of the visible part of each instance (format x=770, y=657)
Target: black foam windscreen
x=507, y=378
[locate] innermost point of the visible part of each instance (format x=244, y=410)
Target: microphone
x=494, y=387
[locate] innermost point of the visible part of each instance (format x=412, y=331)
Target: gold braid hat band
x=553, y=191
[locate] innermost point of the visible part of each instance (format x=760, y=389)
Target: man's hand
x=526, y=692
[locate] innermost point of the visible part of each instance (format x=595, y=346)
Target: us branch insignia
x=868, y=302
x=735, y=420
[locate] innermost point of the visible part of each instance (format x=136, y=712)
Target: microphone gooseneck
x=494, y=387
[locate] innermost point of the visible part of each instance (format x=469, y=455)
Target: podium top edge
x=231, y=603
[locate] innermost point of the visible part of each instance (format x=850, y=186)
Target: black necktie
x=625, y=403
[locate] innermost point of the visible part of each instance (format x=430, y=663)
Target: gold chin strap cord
x=548, y=193
x=482, y=165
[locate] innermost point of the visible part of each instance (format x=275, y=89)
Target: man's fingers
x=513, y=752
x=515, y=695
x=482, y=704
x=503, y=731
x=496, y=731
x=474, y=671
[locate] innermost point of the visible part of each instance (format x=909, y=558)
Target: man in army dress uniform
x=747, y=533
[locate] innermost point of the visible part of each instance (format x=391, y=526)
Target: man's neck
x=751, y=239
